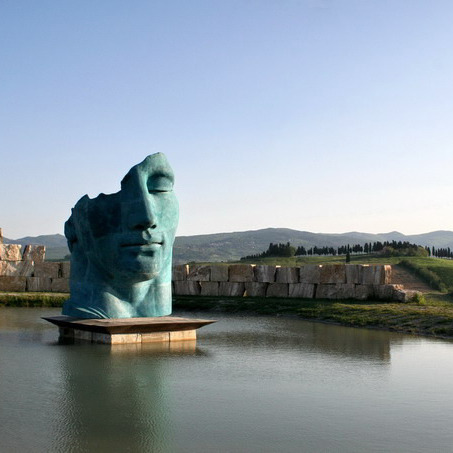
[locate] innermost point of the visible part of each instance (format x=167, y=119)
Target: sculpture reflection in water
x=121, y=246
x=112, y=404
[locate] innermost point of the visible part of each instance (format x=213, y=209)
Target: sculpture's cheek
x=168, y=216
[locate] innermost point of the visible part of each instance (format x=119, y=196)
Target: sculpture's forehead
x=155, y=164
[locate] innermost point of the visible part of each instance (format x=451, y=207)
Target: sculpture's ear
x=70, y=232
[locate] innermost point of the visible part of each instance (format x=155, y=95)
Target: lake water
x=251, y=384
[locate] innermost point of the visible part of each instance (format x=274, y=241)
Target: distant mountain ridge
x=231, y=246
x=49, y=240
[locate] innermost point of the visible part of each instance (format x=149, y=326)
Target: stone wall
x=333, y=281
x=22, y=268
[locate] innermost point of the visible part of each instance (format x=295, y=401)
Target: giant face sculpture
x=121, y=246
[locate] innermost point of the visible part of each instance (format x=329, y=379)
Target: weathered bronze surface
x=121, y=246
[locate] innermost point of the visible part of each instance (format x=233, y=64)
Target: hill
x=49, y=240
x=231, y=246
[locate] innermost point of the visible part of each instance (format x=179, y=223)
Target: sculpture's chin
x=137, y=273
x=138, y=277
x=129, y=270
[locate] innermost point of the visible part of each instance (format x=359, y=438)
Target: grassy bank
x=32, y=299
x=431, y=316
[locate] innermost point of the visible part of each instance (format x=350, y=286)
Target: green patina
x=121, y=246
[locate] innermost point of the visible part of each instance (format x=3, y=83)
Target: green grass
x=430, y=315
x=32, y=299
x=425, y=274
x=303, y=260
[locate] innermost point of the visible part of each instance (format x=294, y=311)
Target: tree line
x=441, y=252
x=280, y=250
x=386, y=247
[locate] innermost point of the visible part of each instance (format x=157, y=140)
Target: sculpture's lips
x=142, y=244
x=142, y=247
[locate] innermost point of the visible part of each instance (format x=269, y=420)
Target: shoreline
x=431, y=318
x=386, y=329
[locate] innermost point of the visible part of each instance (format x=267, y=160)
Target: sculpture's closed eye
x=159, y=184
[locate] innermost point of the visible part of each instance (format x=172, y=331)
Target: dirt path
x=401, y=276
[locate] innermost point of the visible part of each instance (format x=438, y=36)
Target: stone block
x=187, y=288
x=387, y=274
x=302, y=290
x=310, y=274
x=405, y=295
x=399, y=295
x=345, y=290
x=36, y=253
x=277, y=290
x=209, y=288
x=241, y=273
x=255, y=289
x=264, y=274
x=333, y=273
x=105, y=338
x=66, y=332
x=326, y=291
x=179, y=272
x=13, y=284
x=373, y=275
x=383, y=292
x=65, y=269
x=39, y=284
x=16, y=268
x=125, y=338
x=353, y=273
x=367, y=275
x=59, y=285
x=10, y=252
x=287, y=275
x=183, y=335
x=219, y=273
x=96, y=337
x=379, y=275
x=155, y=337
x=199, y=273
x=231, y=289
x=363, y=292
x=83, y=335
x=47, y=269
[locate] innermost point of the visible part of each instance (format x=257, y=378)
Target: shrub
x=418, y=298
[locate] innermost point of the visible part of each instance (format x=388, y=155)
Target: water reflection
x=116, y=399
x=251, y=384
x=188, y=347
x=356, y=343
x=302, y=336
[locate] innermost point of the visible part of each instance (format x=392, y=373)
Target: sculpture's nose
x=141, y=214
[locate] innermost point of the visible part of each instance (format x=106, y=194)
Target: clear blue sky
x=318, y=115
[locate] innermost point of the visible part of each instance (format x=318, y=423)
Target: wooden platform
x=128, y=330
